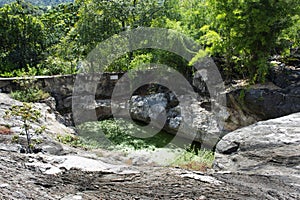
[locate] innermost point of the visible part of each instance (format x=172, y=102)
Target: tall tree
x=21, y=36
x=249, y=30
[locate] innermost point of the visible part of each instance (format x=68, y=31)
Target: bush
x=30, y=92
x=70, y=139
x=29, y=95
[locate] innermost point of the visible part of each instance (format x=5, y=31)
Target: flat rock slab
x=58, y=164
x=269, y=147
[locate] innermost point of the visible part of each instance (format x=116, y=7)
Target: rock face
x=268, y=104
x=245, y=106
x=14, y=124
x=261, y=102
x=32, y=176
x=258, y=103
x=276, y=98
x=268, y=148
x=283, y=76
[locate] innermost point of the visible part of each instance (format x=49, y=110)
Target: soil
x=19, y=181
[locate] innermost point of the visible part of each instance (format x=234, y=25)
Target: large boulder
x=143, y=108
x=285, y=74
x=269, y=148
x=187, y=118
x=268, y=104
x=260, y=102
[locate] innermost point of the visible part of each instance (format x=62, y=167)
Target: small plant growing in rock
x=27, y=114
x=201, y=161
x=15, y=139
x=69, y=139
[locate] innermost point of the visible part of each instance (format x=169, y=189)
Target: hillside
x=39, y=2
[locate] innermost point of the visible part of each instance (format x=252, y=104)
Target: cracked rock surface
x=20, y=181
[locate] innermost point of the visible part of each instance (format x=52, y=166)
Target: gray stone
x=284, y=76
x=268, y=104
x=260, y=102
x=188, y=118
x=10, y=147
x=268, y=147
x=103, y=109
x=61, y=87
x=49, y=164
x=150, y=106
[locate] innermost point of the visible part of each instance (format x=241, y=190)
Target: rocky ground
x=22, y=181
x=256, y=162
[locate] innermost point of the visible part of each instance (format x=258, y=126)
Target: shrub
x=30, y=92
x=200, y=162
x=29, y=95
x=73, y=140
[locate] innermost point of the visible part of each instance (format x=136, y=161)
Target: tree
x=249, y=30
x=100, y=20
x=61, y=54
x=38, y=2
x=58, y=21
x=27, y=114
x=21, y=36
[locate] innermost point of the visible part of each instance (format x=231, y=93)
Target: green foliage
x=121, y=134
x=70, y=139
x=194, y=15
x=99, y=20
x=30, y=36
x=58, y=21
x=21, y=36
x=27, y=114
x=138, y=61
x=248, y=31
x=15, y=139
x=29, y=95
x=199, y=162
x=77, y=141
x=61, y=57
x=289, y=37
x=38, y=2
x=242, y=95
x=30, y=91
x=55, y=39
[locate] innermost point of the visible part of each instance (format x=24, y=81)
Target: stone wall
x=61, y=87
